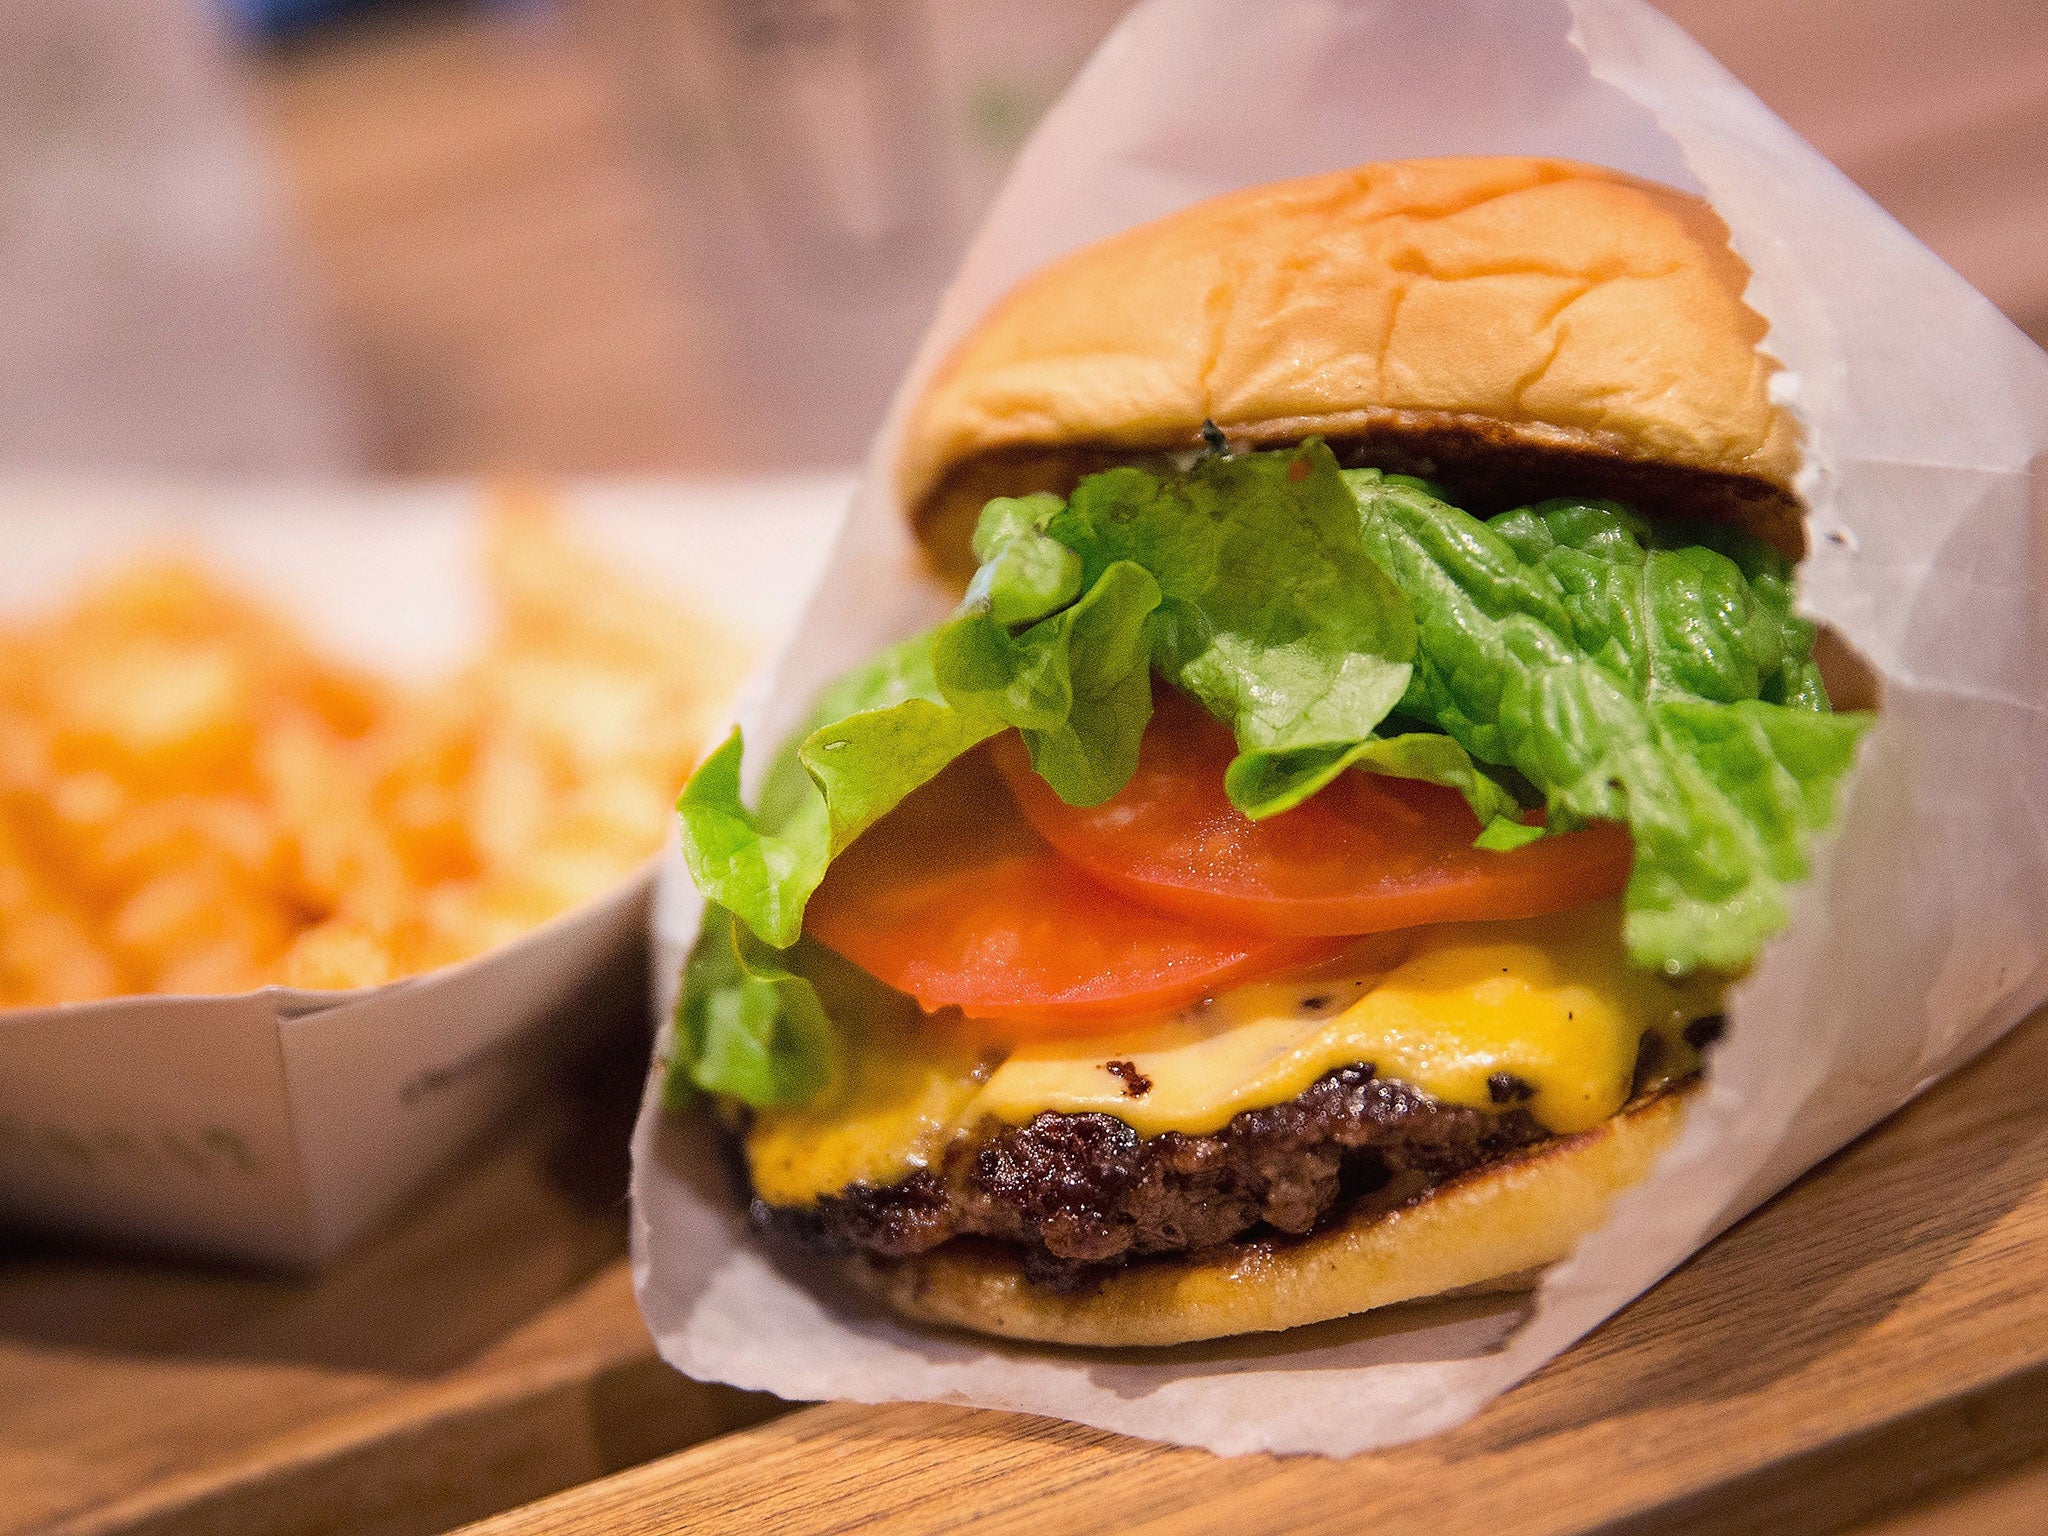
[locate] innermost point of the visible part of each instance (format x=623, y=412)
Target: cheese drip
x=1550, y=1002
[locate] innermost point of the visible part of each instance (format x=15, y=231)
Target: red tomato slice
x=1366, y=854
x=953, y=899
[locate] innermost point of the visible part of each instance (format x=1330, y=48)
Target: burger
x=1303, y=873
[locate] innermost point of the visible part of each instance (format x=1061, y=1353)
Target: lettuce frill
x=1570, y=655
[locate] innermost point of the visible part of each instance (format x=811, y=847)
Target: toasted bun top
x=1510, y=327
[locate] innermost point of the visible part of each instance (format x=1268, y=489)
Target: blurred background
x=420, y=236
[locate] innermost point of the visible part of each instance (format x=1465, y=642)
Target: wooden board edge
x=1878, y=1471
x=479, y=1450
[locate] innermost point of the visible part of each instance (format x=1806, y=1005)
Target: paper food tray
x=279, y=1125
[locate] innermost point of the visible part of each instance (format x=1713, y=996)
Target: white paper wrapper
x=1922, y=937
x=280, y=1125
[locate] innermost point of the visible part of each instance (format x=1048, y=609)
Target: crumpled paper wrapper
x=1923, y=935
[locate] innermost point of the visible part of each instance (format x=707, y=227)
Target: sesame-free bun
x=1512, y=328
x=1493, y=1229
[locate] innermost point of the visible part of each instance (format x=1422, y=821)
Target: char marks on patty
x=1078, y=1194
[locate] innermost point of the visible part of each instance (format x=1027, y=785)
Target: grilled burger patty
x=1081, y=1194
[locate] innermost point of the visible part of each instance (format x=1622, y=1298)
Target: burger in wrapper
x=1303, y=874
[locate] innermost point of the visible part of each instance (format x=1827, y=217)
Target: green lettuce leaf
x=1656, y=677
x=1265, y=783
x=1504, y=834
x=1024, y=573
x=747, y=1025
x=883, y=730
x=1077, y=684
x=1684, y=610
x=1272, y=611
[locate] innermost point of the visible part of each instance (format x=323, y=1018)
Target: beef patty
x=1081, y=1194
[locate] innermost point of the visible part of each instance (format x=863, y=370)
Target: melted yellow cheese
x=1550, y=1001
x=903, y=1087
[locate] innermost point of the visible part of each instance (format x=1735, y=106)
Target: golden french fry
x=161, y=714
x=555, y=590
x=200, y=928
x=237, y=831
x=192, y=800
x=338, y=955
x=49, y=956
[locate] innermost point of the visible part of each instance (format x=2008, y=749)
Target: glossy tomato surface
x=1366, y=854
x=956, y=900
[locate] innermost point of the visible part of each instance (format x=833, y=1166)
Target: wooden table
x=1868, y=1353
x=484, y=1352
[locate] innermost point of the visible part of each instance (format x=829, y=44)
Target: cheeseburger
x=1303, y=873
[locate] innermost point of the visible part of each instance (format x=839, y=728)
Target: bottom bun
x=1494, y=1229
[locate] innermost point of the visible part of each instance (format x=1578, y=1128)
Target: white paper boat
x=280, y=1125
